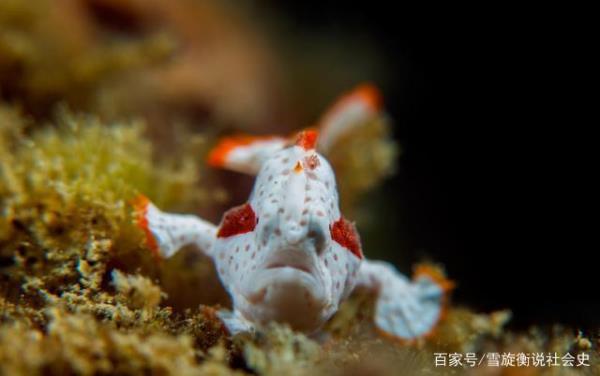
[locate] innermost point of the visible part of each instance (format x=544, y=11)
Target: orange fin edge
x=446, y=285
x=140, y=204
x=366, y=93
x=438, y=276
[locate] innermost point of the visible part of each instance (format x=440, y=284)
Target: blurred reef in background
x=103, y=99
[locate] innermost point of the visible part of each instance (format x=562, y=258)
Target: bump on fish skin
x=312, y=162
x=307, y=139
x=298, y=167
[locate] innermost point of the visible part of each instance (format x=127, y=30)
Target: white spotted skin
x=289, y=269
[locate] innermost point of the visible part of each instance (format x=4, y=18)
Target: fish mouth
x=283, y=277
x=288, y=270
x=292, y=258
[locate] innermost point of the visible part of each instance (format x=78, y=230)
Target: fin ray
x=406, y=310
x=244, y=153
x=167, y=233
x=348, y=112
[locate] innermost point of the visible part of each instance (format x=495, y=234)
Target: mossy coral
x=67, y=230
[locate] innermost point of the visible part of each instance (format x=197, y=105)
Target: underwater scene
x=204, y=187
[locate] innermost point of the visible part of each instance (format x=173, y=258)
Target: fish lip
x=297, y=266
x=293, y=258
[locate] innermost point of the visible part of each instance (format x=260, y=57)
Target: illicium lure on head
x=288, y=254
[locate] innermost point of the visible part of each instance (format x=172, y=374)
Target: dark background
x=487, y=107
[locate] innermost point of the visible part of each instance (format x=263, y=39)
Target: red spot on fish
x=238, y=220
x=307, y=139
x=344, y=233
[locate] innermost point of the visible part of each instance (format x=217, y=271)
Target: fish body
x=288, y=254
